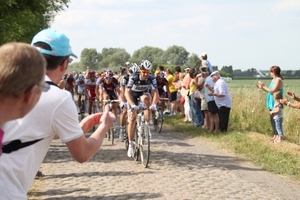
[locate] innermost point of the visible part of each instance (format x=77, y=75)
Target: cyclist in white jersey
x=79, y=88
x=140, y=86
x=133, y=68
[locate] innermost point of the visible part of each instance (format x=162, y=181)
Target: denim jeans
x=278, y=125
x=198, y=116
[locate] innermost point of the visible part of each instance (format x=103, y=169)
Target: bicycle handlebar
x=165, y=99
x=110, y=101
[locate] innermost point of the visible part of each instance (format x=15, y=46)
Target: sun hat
x=215, y=73
x=59, y=43
x=187, y=68
x=203, y=54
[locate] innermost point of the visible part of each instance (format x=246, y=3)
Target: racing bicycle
x=142, y=138
x=111, y=132
x=158, y=116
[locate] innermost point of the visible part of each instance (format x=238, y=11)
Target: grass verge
x=280, y=158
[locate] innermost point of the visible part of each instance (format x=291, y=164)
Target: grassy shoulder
x=280, y=158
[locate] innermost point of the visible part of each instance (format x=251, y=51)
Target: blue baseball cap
x=59, y=43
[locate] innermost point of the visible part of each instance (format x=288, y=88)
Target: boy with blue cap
x=54, y=115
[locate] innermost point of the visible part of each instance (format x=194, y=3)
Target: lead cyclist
x=140, y=86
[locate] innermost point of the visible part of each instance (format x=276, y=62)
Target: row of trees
x=114, y=58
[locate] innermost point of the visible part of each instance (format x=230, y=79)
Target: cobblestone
x=180, y=168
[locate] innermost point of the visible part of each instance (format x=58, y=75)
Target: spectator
x=293, y=105
x=186, y=85
x=205, y=62
x=204, y=107
x=275, y=85
x=22, y=71
x=173, y=91
x=220, y=91
x=177, y=82
x=277, y=115
x=194, y=95
x=213, y=110
x=54, y=114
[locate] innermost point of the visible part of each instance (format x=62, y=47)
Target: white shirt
x=221, y=87
x=54, y=114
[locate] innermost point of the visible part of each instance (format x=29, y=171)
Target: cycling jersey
x=91, y=86
x=110, y=88
x=80, y=85
x=99, y=81
x=161, y=82
x=124, y=80
x=138, y=85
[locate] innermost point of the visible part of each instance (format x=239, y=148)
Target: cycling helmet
x=92, y=73
x=81, y=77
x=133, y=68
x=127, y=63
x=145, y=65
x=109, y=73
x=160, y=74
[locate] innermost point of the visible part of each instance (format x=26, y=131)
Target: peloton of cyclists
x=109, y=89
x=140, y=86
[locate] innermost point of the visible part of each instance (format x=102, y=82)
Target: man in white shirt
x=54, y=114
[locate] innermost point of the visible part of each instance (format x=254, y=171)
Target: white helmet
x=145, y=65
x=133, y=68
x=127, y=63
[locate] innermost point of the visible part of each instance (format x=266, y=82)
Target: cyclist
x=162, y=84
x=89, y=89
x=133, y=68
x=110, y=89
x=140, y=85
x=70, y=84
x=79, y=89
x=98, y=83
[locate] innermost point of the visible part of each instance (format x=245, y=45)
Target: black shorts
x=173, y=96
x=212, y=107
x=112, y=95
x=136, y=96
x=161, y=92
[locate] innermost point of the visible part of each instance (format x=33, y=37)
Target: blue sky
x=241, y=33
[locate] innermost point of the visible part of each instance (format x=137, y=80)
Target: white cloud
x=286, y=5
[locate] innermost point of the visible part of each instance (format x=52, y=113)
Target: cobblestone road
x=180, y=168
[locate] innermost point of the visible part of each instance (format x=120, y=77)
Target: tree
x=227, y=69
x=153, y=54
x=194, y=61
x=176, y=55
x=114, y=58
x=21, y=20
x=89, y=57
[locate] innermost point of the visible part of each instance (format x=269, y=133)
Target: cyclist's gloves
x=123, y=104
x=134, y=107
x=152, y=107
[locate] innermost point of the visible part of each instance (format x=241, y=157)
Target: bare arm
x=83, y=149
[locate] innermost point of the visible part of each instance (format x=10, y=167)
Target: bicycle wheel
x=94, y=110
x=160, y=121
x=144, y=147
x=112, y=133
x=154, y=120
x=82, y=109
x=108, y=135
x=136, y=144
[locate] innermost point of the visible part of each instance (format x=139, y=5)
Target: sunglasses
x=145, y=71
